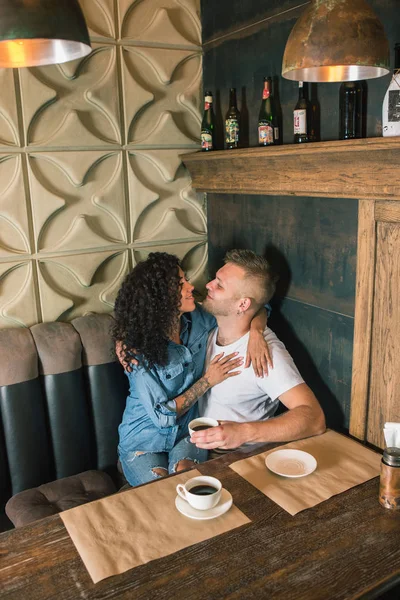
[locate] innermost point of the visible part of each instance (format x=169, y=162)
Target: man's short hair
x=257, y=268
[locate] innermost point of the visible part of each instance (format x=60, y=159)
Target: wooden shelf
x=367, y=168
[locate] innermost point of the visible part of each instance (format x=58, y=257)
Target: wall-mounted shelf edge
x=367, y=168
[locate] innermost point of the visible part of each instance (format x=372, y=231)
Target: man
x=245, y=404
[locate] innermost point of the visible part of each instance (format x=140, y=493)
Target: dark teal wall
x=312, y=241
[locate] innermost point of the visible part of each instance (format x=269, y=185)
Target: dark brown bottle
x=315, y=116
x=266, y=116
x=301, y=116
x=351, y=110
x=208, y=125
x=232, y=122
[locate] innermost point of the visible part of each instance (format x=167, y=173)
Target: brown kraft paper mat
x=129, y=529
x=342, y=464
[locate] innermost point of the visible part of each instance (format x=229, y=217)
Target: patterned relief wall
x=90, y=175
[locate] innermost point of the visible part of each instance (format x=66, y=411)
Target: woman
x=157, y=319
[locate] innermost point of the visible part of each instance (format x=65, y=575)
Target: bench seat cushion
x=56, y=496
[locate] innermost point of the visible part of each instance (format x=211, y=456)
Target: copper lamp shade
x=41, y=32
x=336, y=40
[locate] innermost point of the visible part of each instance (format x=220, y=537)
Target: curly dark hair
x=147, y=307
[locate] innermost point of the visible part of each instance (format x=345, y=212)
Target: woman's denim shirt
x=150, y=422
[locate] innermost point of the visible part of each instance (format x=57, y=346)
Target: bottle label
x=265, y=135
x=276, y=133
x=394, y=106
x=206, y=140
x=232, y=131
x=300, y=121
x=266, y=94
x=206, y=105
x=208, y=99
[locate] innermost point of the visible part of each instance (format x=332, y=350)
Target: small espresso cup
x=201, y=492
x=201, y=423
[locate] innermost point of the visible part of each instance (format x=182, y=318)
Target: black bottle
x=351, y=110
x=266, y=118
x=232, y=122
x=315, y=117
x=208, y=124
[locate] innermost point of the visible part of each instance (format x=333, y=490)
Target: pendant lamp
x=336, y=40
x=41, y=32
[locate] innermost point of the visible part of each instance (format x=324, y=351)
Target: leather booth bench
x=62, y=395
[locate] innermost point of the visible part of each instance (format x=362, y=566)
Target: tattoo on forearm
x=194, y=393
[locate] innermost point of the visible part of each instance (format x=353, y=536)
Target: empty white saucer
x=291, y=463
x=222, y=507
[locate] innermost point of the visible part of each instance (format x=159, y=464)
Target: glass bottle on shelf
x=208, y=124
x=301, y=116
x=277, y=110
x=266, y=116
x=351, y=110
x=315, y=114
x=232, y=122
x=391, y=101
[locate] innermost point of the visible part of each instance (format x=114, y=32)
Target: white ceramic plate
x=222, y=507
x=291, y=463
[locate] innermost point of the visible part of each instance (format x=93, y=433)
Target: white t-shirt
x=246, y=397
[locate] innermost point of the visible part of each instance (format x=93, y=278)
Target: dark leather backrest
x=62, y=396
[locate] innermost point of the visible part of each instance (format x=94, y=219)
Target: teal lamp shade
x=41, y=32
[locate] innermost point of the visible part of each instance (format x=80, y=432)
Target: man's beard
x=218, y=309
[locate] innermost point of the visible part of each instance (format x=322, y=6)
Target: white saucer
x=291, y=463
x=222, y=507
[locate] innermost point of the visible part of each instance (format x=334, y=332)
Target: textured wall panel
x=90, y=176
x=14, y=222
x=17, y=294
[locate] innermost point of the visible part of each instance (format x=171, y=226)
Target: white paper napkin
x=391, y=431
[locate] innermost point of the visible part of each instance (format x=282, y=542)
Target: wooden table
x=347, y=547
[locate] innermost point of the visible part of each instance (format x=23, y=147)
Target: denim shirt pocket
x=172, y=378
x=198, y=350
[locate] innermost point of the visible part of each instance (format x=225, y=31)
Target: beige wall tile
x=90, y=174
x=74, y=285
x=18, y=297
x=15, y=237
x=9, y=127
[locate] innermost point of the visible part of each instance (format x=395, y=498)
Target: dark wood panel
x=321, y=344
x=239, y=19
x=310, y=242
x=344, y=169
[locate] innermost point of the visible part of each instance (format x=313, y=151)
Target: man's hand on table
x=226, y=436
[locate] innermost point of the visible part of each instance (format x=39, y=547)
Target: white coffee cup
x=201, y=492
x=203, y=422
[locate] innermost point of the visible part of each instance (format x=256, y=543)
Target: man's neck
x=231, y=329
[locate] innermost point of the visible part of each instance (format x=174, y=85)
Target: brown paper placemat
x=134, y=527
x=342, y=463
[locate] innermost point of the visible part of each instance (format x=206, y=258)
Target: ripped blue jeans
x=138, y=466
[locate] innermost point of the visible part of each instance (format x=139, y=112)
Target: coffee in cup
x=202, y=423
x=201, y=492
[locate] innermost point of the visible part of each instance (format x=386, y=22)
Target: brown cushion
x=62, y=494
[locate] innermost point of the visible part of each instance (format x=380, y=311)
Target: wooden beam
x=342, y=169
x=363, y=318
